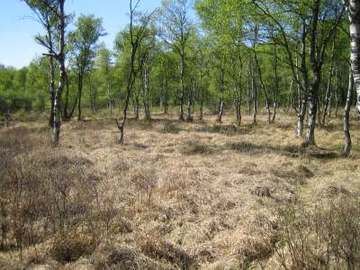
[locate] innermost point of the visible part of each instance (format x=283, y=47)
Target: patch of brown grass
x=175, y=196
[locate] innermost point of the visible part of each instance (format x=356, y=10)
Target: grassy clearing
x=176, y=196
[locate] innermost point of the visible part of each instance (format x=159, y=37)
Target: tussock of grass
x=170, y=128
x=196, y=148
x=70, y=247
x=229, y=130
x=162, y=250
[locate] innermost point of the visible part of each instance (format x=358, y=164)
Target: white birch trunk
x=354, y=16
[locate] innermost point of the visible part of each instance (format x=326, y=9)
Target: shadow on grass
x=293, y=151
x=229, y=130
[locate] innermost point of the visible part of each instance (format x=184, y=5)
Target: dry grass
x=175, y=196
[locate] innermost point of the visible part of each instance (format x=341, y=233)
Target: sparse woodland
x=215, y=134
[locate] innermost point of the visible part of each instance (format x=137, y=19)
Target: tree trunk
x=275, y=106
x=67, y=116
x=146, y=94
x=354, y=11
x=254, y=92
x=136, y=104
x=300, y=118
x=93, y=95
x=238, y=111
x=222, y=90
x=110, y=101
x=277, y=82
x=312, y=110
x=55, y=132
x=259, y=73
x=80, y=88
x=315, y=84
x=182, y=82
x=347, y=136
x=201, y=116
x=249, y=94
x=329, y=86
x=190, y=106
x=52, y=88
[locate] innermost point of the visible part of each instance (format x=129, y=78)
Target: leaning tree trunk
x=129, y=88
x=347, y=137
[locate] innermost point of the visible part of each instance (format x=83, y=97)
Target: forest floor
x=176, y=195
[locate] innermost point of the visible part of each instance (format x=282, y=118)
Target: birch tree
x=83, y=43
x=51, y=14
x=137, y=32
x=353, y=7
x=175, y=29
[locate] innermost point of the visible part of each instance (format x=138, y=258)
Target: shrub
x=72, y=246
x=326, y=236
x=41, y=192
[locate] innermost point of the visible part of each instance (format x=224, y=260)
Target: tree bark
x=354, y=16
x=315, y=84
x=238, y=111
x=146, y=94
x=347, y=136
x=254, y=93
x=55, y=133
x=189, y=117
x=301, y=117
x=52, y=87
x=222, y=90
x=80, y=88
x=182, y=82
x=67, y=116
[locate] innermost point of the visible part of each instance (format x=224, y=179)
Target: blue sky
x=17, y=28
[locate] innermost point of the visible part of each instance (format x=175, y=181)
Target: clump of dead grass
x=169, y=128
x=163, y=250
x=228, y=130
x=196, y=148
x=71, y=246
